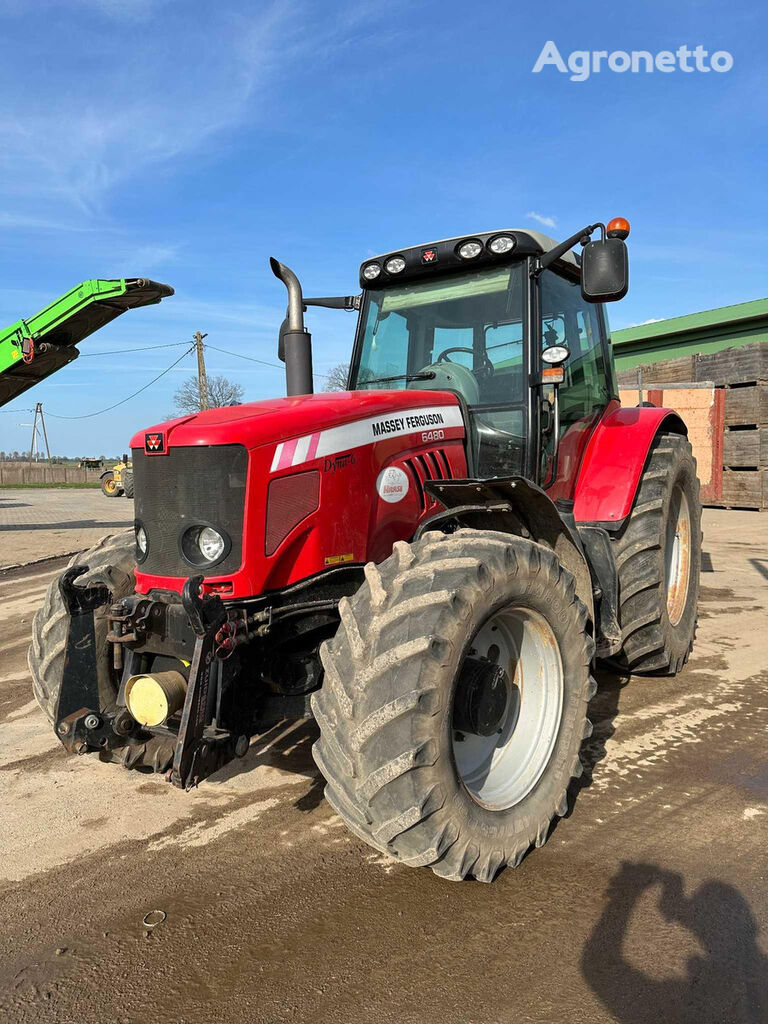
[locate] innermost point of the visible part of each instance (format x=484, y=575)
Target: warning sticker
x=392, y=484
x=338, y=559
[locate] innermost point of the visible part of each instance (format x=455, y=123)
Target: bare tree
x=221, y=392
x=337, y=378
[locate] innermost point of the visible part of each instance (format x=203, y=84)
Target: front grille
x=188, y=486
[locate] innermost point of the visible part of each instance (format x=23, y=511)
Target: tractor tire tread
x=651, y=645
x=377, y=748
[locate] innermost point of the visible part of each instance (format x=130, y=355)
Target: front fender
x=614, y=459
x=511, y=505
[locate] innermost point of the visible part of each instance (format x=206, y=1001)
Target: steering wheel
x=483, y=372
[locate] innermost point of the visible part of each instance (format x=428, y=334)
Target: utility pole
x=202, y=380
x=33, y=447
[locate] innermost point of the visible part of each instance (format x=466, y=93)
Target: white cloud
x=143, y=97
x=547, y=222
x=148, y=257
x=642, y=323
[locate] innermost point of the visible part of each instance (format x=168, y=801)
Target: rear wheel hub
x=482, y=697
x=503, y=744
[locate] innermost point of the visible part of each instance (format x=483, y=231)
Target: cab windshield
x=462, y=333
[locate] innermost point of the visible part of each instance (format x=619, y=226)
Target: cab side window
x=568, y=320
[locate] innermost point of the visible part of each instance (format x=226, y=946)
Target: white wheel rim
x=677, y=556
x=499, y=771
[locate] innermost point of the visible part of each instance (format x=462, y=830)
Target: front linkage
x=200, y=745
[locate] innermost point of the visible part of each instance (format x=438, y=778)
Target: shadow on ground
x=287, y=746
x=726, y=980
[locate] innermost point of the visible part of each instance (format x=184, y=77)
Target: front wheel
x=454, y=702
x=109, y=485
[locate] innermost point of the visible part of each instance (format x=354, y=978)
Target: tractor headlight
x=142, y=543
x=203, y=546
x=501, y=244
x=395, y=265
x=469, y=249
x=371, y=271
x=211, y=543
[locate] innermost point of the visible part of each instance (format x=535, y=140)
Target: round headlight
x=395, y=265
x=468, y=250
x=204, y=546
x=211, y=544
x=142, y=543
x=501, y=244
x=371, y=271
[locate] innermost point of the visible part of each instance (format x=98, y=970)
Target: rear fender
x=516, y=506
x=614, y=460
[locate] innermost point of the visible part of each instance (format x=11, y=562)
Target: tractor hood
x=280, y=419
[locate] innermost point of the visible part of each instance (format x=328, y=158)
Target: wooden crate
x=741, y=448
x=743, y=488
x=746, y=405
x=734, y=365
x=666, y=371
x=733, y=471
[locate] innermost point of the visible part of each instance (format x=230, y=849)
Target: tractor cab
x=473, y=315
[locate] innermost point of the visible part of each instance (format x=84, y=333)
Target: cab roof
x=443, y=255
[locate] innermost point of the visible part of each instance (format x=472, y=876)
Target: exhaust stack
x=295, y=347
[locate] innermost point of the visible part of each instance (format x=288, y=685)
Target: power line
x=122, y=351
x=252, y=359
x=109, y=408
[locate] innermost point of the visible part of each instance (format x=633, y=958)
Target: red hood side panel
x=368, y=456
x=277, y=419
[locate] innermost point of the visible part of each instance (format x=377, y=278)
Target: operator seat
x=450, y=377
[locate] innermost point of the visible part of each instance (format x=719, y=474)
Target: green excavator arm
x=33, y=349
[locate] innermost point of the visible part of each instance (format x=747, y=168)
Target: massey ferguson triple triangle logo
x=154, y=443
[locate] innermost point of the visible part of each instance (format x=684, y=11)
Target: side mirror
x=604, y=270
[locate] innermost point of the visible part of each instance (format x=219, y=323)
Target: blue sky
x=190, y=141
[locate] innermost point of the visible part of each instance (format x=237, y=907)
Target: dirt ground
x=40, y=522
x=649, y=903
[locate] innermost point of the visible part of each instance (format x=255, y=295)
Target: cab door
x=565, y=318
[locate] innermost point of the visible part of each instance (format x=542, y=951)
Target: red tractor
x=429, y=563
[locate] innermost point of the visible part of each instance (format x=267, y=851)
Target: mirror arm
x=560, y=250
x=348, y=302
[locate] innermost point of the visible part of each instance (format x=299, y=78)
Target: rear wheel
x=109, y=485
x=658, y=556
x=454, y=702
x=50, y=628
x=128, y=483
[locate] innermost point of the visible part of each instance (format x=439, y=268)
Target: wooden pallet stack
x=742, y=373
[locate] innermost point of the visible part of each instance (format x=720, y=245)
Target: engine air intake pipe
x=295, y=348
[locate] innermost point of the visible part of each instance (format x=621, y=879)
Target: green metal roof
x=710, y=318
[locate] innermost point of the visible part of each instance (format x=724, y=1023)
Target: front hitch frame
x=79, y=721
x=83, y=725
x=200, y=749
